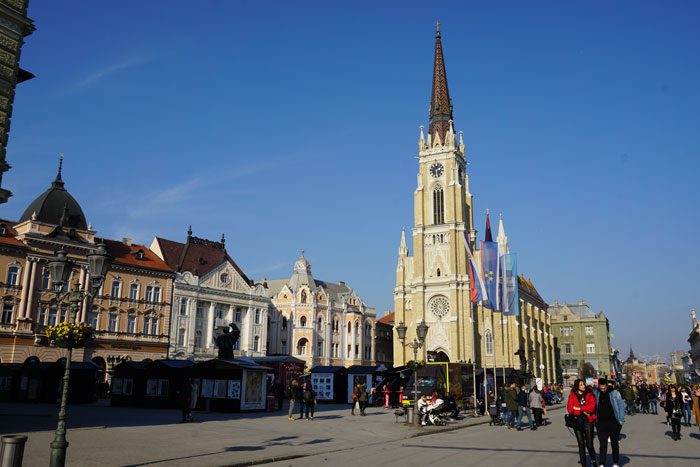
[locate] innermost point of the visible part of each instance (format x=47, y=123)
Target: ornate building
x=211, y=292
x=14, y=27
x=131, y=311
x=433, y=284
x=319, y=322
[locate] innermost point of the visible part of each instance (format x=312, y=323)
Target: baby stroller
x=495, y=414
x=436, y=413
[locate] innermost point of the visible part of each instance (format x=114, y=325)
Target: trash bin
x=271, y=403
x=12, y=450
x=409, y=415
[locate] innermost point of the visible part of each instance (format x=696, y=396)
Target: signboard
x=253, y=390
x=322, y=383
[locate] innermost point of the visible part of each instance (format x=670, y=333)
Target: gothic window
x=335, y=325
x=349, y=327
x=438, y=205
x=488, y=341
x=302, y=321
x=368, y=330
x=439, y=306
x=303, y=296
x=12, y=275
x=357, y=328
x=284, y=323
x=438, y=272
x=320, y=324
x=301, y=346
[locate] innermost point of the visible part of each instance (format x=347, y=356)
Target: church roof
x=440, y=102
x=56, y=206
x=135, y=255
x=528, y=287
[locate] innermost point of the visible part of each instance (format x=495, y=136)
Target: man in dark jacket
x=524, y=409
x=294, y=395
x=510, y=397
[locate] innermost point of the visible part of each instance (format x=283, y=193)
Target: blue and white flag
x=510, y=304
x=489, y=265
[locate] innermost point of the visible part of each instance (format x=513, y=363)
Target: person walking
x=581, y=404
x=610, y=416
x=294, y=395
x=362, y=398
x=644, y=398
x=696, y=405
x=663, y=394
x=524, y=409
x=510, y=397
x=653, y=398
x=674, y=410
x=535, y=399
x=628, y=396
x=308, y=396
x=687, y=405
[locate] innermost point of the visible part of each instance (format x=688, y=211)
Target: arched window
x=335, y=325
x=303, y=296
x=368, y=330
x=284, y=323
x=488, y=341
x=438, y=272
x=301, y=346
x=357, y=328
x=302, y=321
x=349, y=327
x=320, y=324
x=12, y=275
x=438, y=205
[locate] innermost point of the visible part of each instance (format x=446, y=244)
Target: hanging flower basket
x=70, y=335
x=415, y=366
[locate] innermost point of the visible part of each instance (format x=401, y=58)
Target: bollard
x=409, y=415
x=12, y=450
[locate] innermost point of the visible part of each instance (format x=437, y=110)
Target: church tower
x=433, y=284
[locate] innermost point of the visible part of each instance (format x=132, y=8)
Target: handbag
x=577, y=422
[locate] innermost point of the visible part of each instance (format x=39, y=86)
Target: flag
x=511, y=300
x=489, y=265
x=477, y=292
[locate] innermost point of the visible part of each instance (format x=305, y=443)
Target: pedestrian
x=653, y=398
x=628, y=396
x=362, y=398
x=687, y=405
x=581, y=404
x=644, y=398
x=610, y=416
x=186, y=401
x=308, y=396
x=510, y=397
x=524, y=409
x=535, y=399
x=696, y=405
x=674, y=410
x=422, y=407
x=294, y=395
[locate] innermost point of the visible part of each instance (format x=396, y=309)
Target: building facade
x=694, y=342
x=211, y=292
x=130, y=313
x=320, y=322
x=14, y=27
x=384, y=340
x=583, y=336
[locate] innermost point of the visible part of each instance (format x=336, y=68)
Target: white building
x=211, y=291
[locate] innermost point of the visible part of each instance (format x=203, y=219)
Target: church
x=432, y=284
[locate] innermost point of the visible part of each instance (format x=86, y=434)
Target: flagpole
x=495, y=380
x=471, y=311
x=483, y=357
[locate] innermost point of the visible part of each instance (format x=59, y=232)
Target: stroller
x=495, y=414
x=436, y=413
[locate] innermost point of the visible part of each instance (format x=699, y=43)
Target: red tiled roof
x=8, y=238
x=528, y=287
x=197, y=256
x=128, y=255
x=387, y=318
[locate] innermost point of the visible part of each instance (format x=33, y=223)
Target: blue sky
x=290, y=125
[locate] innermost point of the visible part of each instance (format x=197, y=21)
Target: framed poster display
x=253, y=390
x=220, y=388
x=117, y=386
x=207, y=387
x=152, y=387
x=322, y=383
x=234, y=389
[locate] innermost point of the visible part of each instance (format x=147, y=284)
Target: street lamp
x=59, y=271
x=421, y=333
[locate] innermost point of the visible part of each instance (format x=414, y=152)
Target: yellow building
x=131, y=311
x=432, y=285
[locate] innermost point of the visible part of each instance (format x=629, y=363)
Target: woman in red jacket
x=582, y=403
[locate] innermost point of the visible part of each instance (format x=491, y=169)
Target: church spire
x=403, y=248
x=502, y=238
x=58, y=182
x=440, y=102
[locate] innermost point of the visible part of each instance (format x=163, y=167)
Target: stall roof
x=142, y=365
x=225, y=364
x=327, y=369
x=278, y=359
x=175, y=363
x=362, y=370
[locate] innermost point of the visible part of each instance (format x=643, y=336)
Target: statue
x=226, y=341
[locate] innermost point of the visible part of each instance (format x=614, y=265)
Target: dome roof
x=57, y=207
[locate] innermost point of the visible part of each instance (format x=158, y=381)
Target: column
x=192, y=322
x=329, y=340
x=373, y=346
x=209, y=342
x=82, y=313
x=353, y=340
x=21, y=309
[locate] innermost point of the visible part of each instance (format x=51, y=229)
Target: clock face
x=436, y=170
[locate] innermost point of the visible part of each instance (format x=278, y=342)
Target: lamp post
x=59, y=270
x=421, y=333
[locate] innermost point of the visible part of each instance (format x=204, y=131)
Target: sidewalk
x=107, y=436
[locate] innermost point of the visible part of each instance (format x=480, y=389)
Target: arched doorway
x=438, y=356
x=32, y=360
x=101, y=369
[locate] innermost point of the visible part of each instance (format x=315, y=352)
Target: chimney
x=581, y=302
x=126, y=241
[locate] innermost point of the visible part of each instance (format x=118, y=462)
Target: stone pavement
x=111, y=436
x=646, y=442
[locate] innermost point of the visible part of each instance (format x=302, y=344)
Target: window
x=319, y=349
x=63, y=314
x=238, y=316
x=488, y=342
x=131, y=324
x=92, y=318
x=589, y=330
x=53, y=315
x=12, y=275
x=320, y=324
x=45, y=279
x=357, y=351
x=116, y=286
x=357, y=328
x=224, y=278
x=335, y=350
x=335, y=325
x=237, y=345
x=134, y=292
x=590, y=348
x=349, y=328
x=303, y=296
x=283, y=347
x=150, y=325
x=302, y=321
x=153, y=294
x=7, y=309
x=180, y=337
x=42, y=315
x=569, y=348
x=368, y=352
x=198, y=339
x=257, y=316
x=256, y=344
x=301, y=346
x=284, y=323
x=349, y=350
x=220, y=311
x=438, y=206
x=368, y=330
x=112, y=326
x=567, y=331
x=183, y=306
